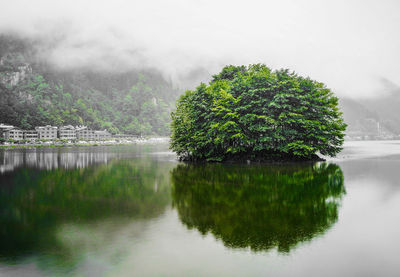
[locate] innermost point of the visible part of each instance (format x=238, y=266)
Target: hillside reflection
x=35, y=204
x=258, y=207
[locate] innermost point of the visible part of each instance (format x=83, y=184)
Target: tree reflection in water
x=260, y=207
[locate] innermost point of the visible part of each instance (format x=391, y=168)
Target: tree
x=254, y=113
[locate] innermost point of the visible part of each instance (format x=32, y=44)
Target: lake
x=137, y=211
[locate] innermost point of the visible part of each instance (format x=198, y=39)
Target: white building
x=102, y=134
x=85, y=133
x=30, y=134
x=67, y=132
x=47, y=132
x=14, y=133
x=3, y=128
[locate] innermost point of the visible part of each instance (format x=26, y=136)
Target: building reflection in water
x=48, y=160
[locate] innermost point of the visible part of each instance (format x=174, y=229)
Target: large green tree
x=258, y=114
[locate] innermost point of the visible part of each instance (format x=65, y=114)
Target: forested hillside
x=34, y=93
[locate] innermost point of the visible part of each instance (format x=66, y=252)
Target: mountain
x=387, y=108
x=34, y=93
x=376, y=118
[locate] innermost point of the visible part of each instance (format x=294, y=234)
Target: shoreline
x=151, y=140
x=366, y=149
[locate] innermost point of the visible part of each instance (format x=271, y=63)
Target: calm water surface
x=136, y=211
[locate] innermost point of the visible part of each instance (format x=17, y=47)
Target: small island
x=251, y=113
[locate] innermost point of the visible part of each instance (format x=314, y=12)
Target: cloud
x=349, y=45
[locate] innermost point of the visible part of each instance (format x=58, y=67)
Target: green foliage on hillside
x=258, y=114
x=33, y=93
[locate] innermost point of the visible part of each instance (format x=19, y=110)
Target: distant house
x=67, y=132
x=85, y=133
x=31, y=135
x=102, y=134
x=47, y=132
x=3, y=128
x=14, y=133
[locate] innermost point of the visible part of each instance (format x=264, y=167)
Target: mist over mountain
x=34, y=92
x=373, y=118
x=348, y=45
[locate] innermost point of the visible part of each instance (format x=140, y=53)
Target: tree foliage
x=258, y=114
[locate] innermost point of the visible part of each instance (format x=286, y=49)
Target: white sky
x=349, y=45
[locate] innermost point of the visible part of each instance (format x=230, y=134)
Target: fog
x=351, y=46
